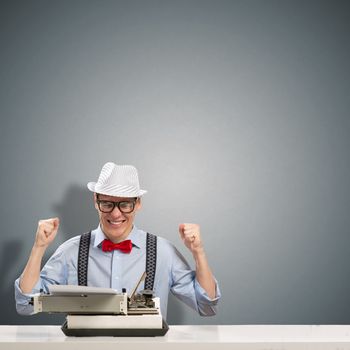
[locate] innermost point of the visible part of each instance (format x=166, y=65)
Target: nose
x=116, y=212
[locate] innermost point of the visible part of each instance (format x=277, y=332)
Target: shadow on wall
x=76, y=212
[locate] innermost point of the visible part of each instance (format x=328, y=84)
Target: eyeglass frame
x=116, y=204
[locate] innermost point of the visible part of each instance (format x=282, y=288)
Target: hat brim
x=116, y=191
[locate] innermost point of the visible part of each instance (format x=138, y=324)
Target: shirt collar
x=134, y=235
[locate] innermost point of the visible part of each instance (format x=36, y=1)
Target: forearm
x=31, y=272
x=203, y=273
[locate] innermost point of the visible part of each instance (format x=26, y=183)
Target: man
x=118, y=252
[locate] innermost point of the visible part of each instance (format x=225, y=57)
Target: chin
x=116, y=233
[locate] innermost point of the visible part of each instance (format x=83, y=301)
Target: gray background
x=236, y=114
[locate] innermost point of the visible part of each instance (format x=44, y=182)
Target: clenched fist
x=46, y=232
x=190, y=235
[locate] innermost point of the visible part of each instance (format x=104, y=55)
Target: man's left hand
x=191, y=236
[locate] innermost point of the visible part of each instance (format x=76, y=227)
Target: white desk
x=185, y=337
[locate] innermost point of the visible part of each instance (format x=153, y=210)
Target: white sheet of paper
x=60, y=289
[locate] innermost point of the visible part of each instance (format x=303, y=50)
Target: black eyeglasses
x=108, y=206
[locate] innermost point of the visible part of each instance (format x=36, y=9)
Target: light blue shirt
x=118, y=270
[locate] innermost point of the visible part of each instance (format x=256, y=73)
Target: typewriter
x=93, y=311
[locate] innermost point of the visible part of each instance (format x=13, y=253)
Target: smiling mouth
x=116, y=222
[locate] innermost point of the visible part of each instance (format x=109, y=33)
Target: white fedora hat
x=117, y=180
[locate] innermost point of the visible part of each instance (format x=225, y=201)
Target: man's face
x=116, y=225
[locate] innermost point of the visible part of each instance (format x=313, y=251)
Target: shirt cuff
x=202, y=295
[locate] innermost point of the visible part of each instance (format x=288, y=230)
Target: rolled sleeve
x=206, y=305
x=23, y=299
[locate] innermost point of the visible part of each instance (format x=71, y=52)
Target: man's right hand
x=46, y=232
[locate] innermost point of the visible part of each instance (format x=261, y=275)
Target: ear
x=138, y=204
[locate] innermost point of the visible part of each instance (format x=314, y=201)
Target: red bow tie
x=125, y=246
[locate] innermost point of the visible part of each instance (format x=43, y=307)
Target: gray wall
x=236, y=114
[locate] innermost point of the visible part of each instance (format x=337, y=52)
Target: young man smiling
x=118, y=252
x=116, y=224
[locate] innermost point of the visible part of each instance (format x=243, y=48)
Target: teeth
x=115, y=222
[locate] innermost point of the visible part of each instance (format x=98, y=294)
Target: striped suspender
x=151, y=259
x=83, y=258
